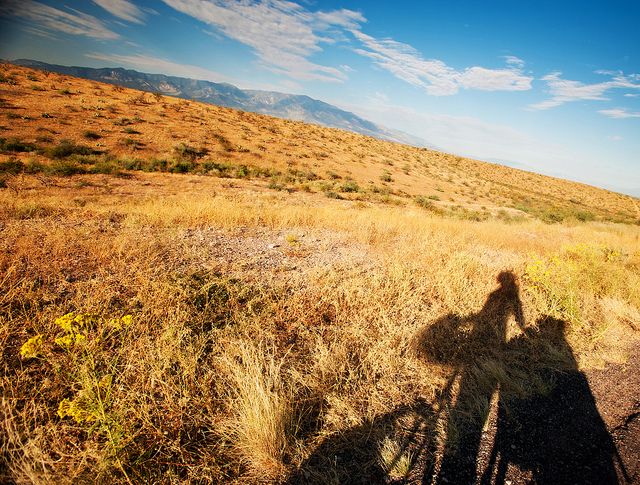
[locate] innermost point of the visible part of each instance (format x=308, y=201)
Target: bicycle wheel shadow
x=395, y=447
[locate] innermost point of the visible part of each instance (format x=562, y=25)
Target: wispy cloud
x=433, y=75
x=284, y=35
x=564, y=90
x=619, y=113
x=615, y=138
x=40, y=32
x=122, y=9
x=69, y=21
x=514, y=61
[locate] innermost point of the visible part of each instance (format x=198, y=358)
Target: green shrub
x=67, y=148
x=109, y=167
x=65, y=168
x=217, y=169
x=350, y=186
x=424, y=202
x=182, y=166
x=15, y=145
x=91, y=135
x=156, y=165
x=186, y=152
x=12, y=166
x=333, y=195
x=34, y=166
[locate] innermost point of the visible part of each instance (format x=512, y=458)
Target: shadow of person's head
x=507, y=279
x=551, y=329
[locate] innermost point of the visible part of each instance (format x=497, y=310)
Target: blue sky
x=554, y=86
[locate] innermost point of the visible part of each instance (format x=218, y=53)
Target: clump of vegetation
x=91, y=135
x=131, y=143
x=16, y=145
x=349, y=186
x=66, y=148
x=187, y=152
x=386, y=176
x=11, y=166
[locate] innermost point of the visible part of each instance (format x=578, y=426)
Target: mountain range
x=282, y=105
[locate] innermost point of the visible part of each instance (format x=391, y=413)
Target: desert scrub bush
x=386, y=176
x=67, y=148
x=424, y=202
x=123, y=122
x=349, y=186
x=12, y=166
x=131, y=143
x=189, y=153
x=16, y=145
x=332, y=195
x=64, y=168
x=182, y=166
x=91, y=135
x=106, y=166
x=44, y=139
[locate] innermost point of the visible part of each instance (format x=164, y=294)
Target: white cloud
x=122, y=9
x=433, y=75
x=629, y=95
x=514, y=61
x=495, y=79
x=69, y=21
x=283, y=34
x=619, y=113
x=564, y=90
x=615, y=138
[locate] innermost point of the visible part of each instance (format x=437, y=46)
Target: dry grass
x=271, y=331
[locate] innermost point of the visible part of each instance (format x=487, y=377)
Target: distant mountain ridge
x=282, y=105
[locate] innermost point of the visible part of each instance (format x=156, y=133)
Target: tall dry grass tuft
x=263, y=428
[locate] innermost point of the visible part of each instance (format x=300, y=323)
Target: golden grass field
x=242, y=320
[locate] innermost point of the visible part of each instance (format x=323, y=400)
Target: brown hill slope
x=128, y=129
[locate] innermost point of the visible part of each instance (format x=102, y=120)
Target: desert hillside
x=193, y=294
x=119, y=128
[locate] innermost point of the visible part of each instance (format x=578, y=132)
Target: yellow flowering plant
x=32, y=347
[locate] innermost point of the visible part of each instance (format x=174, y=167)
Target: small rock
x=273, y=246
